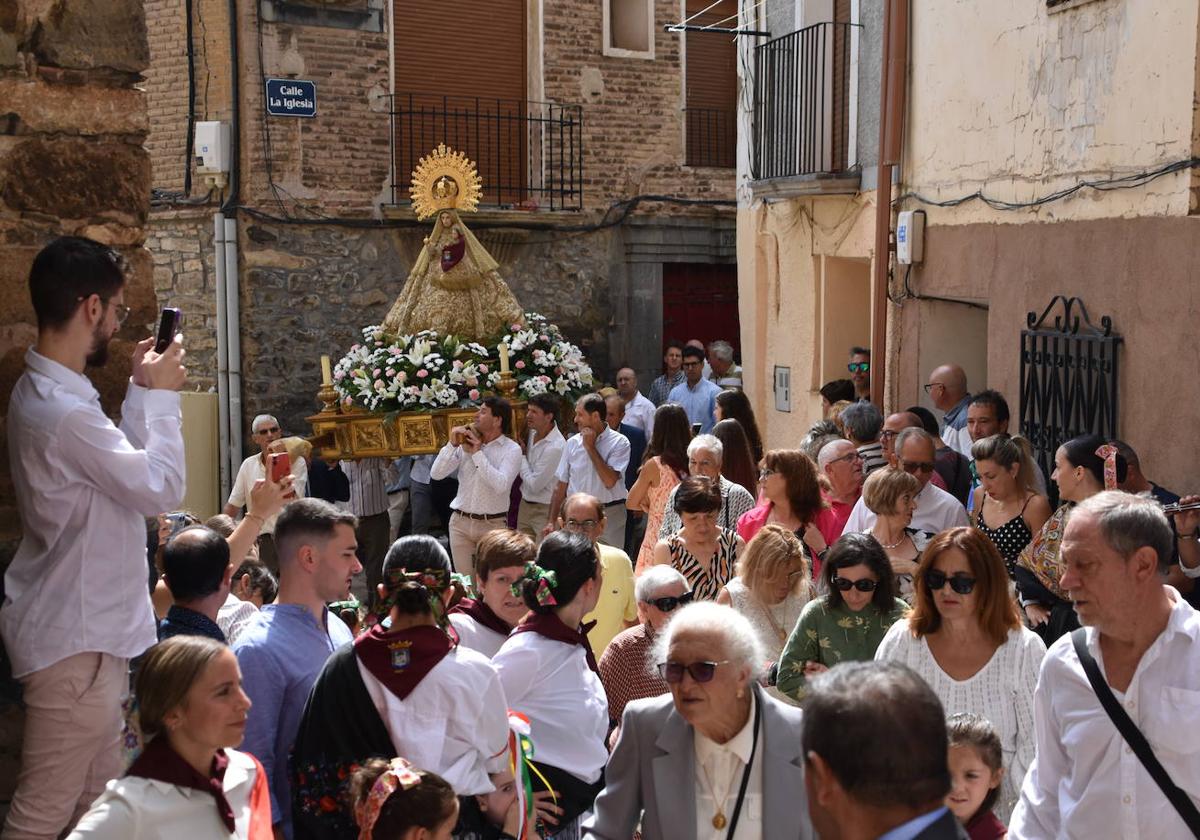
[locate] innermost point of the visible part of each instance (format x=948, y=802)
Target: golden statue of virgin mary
x=454, y=286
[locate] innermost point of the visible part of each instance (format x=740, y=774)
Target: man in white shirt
x=543, y=449
x=639, y=411
x=266, y=431
x=77, y=607
x=594, y=462
x=1086, y=780
x=722, y=369
x=936, y=509
x=488, y=462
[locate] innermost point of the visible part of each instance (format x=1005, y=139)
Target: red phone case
x=281, y=466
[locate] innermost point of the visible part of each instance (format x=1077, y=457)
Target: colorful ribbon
x=1109, y=453
x=400, y=774
x=520, y=764
x=546, y=581
x=435, y=582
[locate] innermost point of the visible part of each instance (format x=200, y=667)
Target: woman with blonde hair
x=1007, y=496
x=891, y=494
x=188, y=781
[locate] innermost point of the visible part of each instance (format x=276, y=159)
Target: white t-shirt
x=251, y=470
x=936, y=511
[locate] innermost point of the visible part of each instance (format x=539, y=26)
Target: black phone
x=169, y=324
x=695, y=429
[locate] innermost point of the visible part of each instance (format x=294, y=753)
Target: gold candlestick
x=328, y=398
x=508, y=386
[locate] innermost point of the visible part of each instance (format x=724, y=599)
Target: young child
x=975, y=774
x=395, y=801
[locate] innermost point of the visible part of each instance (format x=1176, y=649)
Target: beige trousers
x=72, y=743
x=465, y=534
x=532, y=519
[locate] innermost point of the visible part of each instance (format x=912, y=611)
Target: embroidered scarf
x=484, y=615
x=550, y=626
x=160, y=762
x=400, y=659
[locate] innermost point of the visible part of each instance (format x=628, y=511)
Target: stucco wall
x=1008, y=97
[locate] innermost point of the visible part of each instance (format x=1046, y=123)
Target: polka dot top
x=1010, y=538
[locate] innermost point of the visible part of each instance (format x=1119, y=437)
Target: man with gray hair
x=841, y=464
x=862, y=422
x=705, y=455
x=625, y=668
x=1139, y=650
x=265, y=431
x=723, y=371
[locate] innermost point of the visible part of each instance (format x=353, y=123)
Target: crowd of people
x=648, y=625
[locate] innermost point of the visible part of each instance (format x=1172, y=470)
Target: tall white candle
x=503, y=358
x=326, y=373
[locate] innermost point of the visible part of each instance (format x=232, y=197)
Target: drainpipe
x=892, y=85
x=233, y=340
x=222, y=357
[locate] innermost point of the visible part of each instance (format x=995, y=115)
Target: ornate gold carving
x=444, y=180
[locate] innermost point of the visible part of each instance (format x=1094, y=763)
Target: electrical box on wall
x=910, y=236
x=783, y=388
x=212, y=147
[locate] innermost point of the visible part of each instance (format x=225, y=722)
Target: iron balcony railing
x=529, y=154
x=711, y=137
x=802, y=102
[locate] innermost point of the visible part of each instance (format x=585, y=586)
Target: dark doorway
x=701, y=301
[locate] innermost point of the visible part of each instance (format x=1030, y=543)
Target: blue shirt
x=698, y=402
x=181, y=621
x=281, y=652
x=914, y=826
x=637, y=448
x=956, y=417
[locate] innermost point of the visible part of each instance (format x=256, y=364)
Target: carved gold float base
x=352, y=433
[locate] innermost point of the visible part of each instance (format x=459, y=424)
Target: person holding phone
x=76, y=606
x=267, y=464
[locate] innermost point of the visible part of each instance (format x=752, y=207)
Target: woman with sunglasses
x=702, y=551
x=891, y=494
x=719, y=756
x=849, y=622
x=771, y=588
x=965, y=638
x=790, y=496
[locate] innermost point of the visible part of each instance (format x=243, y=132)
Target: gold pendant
x=719, y=821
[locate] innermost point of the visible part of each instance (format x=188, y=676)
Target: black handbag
x=1134, y=737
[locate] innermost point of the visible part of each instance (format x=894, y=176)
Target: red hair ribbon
x=1109, y=453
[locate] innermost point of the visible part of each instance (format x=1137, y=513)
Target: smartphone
x=169, y=324
x=695, y=429
x=281, y=466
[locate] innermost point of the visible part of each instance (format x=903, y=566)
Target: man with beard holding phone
x=76, y=607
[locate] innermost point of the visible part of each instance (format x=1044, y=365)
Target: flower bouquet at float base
x=426, y=371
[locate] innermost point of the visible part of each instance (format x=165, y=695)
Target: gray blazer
x=651, y=775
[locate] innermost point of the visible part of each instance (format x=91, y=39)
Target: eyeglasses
x=929, y=388
x=581, y=524
x=701, y=672
x=858, y=367
x=268, y=431
x=765, y=473
x=916, y=466
x=693, y=364
x=670, y=602
x=120, y=309
x=887, y=434
x=849, y=458
x=960, y=583
x=862, y=584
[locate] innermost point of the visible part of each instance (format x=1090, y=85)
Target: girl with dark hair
x=738, y=463
x=664, y=465
x=735, y=405
x=407, y=689
x=976, y=761
x=550, y=675
x=1083, y=467
x=395, y=801
x=849, y=622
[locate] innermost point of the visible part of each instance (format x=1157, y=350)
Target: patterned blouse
x=626, y=670
x=706, y=583
x=1041, y=556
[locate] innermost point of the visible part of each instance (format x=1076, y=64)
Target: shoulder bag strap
x=1134, y=737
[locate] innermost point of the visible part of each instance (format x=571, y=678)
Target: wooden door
x=701, y=301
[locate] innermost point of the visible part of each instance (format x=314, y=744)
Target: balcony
x=803, y=136
x=529, y=154
x=711, y=137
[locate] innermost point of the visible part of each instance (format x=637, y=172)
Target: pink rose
x=402, y=376
x=516, y=327
x=483, y=368
x=472, y=381
x=543, y=338
x=520, y=365
x=457, y=364
x=422, y=373
x=473, y=394
x=377, y=371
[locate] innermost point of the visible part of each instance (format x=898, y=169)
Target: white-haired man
x=720, y=359
x=839, y=462
x=705, y=455
x=265, y=430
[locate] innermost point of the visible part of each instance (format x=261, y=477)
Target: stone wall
x=71, y=162
x=180, y=242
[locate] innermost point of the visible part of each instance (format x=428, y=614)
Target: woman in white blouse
x=965, y=638
x=549, y=673
x=484, y=622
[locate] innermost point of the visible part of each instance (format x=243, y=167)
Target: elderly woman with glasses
x=965, y=638
x=891, y=494
x=702, y=551
x=849, y=622
x=790, y=497
x=719, y=757
x=624, y=667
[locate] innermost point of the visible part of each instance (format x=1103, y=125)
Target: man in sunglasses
x=616, y=609
x=860, y=371
x=936, y=509
x=660, y=592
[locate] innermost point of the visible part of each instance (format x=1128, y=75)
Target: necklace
x=897, y=543
x=718, y=820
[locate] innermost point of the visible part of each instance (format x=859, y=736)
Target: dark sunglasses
x=862, y=585
x=858, y=367
x=917, y=466
x=670, y=602
x=960, y=583
x=701, y=672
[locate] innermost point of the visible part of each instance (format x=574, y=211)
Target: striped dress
x=707, y=582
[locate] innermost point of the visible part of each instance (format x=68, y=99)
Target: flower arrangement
x=427, y=371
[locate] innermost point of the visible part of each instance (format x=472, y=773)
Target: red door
x=701, y=301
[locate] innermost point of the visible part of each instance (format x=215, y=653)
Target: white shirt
x=251, y=470
x=577, y=471
x=551, y=684
x=485, y=479
x=936, y=511
x=454, y=723
x=1001, y=692
x=77, y=583
x=1085, y=781
x=475, y=636
x=134, y=808
x=539, y=464
x=234, y=616
x=724, y=765
x=639, y=412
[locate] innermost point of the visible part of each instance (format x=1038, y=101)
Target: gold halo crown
x=444, y=180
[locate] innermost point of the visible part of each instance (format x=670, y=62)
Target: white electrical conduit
x=233, y=335
x=226, y=477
